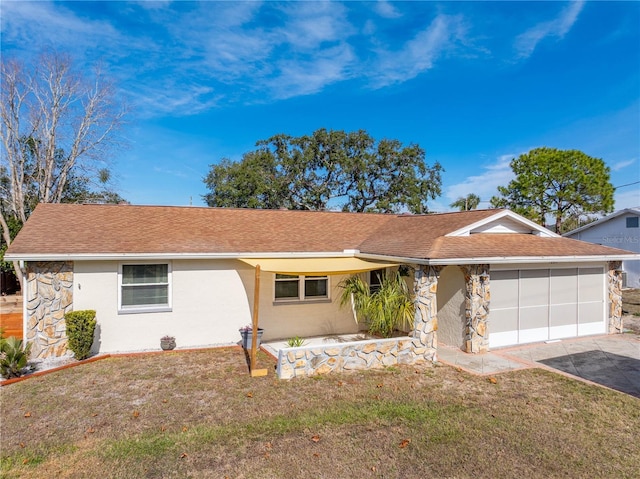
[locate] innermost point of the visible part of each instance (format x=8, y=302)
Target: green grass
x=200, y=414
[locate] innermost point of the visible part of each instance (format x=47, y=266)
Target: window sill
x=281, y=302
x=146, y=309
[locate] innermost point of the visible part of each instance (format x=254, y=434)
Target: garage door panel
x=533, y=335
x=563, y=314
x=533, y=305
x=563, y=320
x=591, y=284
x=589, y=313
x=504, y=320
x=534, y=317
x=563, y=286
x=504, y=289
x=534, y=288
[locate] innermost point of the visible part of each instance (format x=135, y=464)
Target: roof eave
x=141, y=256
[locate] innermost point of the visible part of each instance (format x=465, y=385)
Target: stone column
x=49, y=295
x=477, y=298
x=614, y=287
x=425, y=323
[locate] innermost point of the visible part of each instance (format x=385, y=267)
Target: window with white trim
x=632, y=222
x=300, y=288
x=145, y=287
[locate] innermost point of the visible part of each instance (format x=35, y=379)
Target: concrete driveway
x=612, y=361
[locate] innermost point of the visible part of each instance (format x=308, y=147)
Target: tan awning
x=316, y=266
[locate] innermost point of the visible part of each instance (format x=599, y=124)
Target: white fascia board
x=497, y=259
x=169, y=256
x=539, y=230
x=530, y=259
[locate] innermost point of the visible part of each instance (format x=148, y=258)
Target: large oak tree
x=327, y=169
x=561, y=184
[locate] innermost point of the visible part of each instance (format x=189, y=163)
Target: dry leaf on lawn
x=404, y=443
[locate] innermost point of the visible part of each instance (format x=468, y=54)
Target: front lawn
x=199, y=414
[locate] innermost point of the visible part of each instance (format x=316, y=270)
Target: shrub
x=13, y=356
x=80, y=328
x=295, y=342
x=384, y=310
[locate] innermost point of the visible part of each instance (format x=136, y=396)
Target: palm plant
x=13, y=356
x=384, y=310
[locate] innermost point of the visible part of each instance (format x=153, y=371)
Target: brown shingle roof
x=69, y=229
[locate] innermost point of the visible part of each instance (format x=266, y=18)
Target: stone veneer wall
x=614, y=288
x=425, y=321
x=49, y=296
x=477, y=299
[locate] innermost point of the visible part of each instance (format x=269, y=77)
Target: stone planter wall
x=49, y=296
x=337, y=357
x=614, y=288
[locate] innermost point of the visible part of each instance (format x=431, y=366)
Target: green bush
x=384, y=310
x=13, y=356
x=80, y=328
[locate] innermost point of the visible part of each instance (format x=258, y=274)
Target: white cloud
x=309, y=25
x=304, y=77
x=622, y=165
x=627, y=198
x=485, y=184
x=527, y=42
x=386, y=9
x=418, y=54
x=54, y=25
x=185, y=60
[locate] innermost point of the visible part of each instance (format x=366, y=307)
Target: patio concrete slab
x=612, y=361
x=486, y=363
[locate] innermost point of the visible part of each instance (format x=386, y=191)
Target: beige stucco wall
x=451, y=307
x=282, y=320
x=211, y=300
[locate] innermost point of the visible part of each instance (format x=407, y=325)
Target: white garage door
x=543, y=304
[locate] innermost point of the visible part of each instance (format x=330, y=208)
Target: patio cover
x=315, y=266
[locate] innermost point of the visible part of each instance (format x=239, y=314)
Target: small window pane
x=632, y=222
x=157, y=295
x=145, y=273
x=287, y=289
x=315, y=287
x=375, y=279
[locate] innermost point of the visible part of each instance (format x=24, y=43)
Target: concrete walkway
x=612, y=361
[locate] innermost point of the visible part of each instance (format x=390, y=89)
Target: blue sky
x=473, y=83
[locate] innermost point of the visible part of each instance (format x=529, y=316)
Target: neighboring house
x=618, y=230
x=482, y=279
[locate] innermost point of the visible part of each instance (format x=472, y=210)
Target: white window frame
x=151, y=308
x=301, y=289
